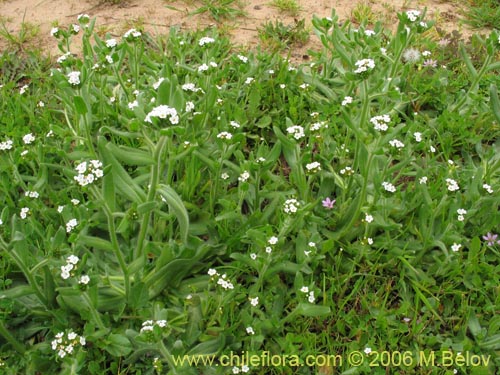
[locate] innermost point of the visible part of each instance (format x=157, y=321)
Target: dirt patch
x=157, y=16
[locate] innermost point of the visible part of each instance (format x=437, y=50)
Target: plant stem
x=4, y=332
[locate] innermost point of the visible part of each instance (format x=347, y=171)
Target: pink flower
x=328, y=203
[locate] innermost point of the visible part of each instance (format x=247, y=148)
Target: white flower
x=347, y=170
x=70, y=225
x=133, y=104
x=388, y=187
x=304, y=289
x=422, y=180
x=132, y=32
x=28, y=138
x=7, y=145
x=254, y=301
x=313, y=167
x=253, y=256
x=304, y=86
x=317, y=126
x=24, y=153
x=224, y=135
x=234, y=124
x=109, y=59
x=452, y=184
x=250, y=331
x=189, y=87
x=54, y=31
x=31, y=194
x=75, y=202
x=311, y=298
x=162, y=112
x=224, y=176
x=291, y=206
x=364, y=65
x=381, y=123
x=243, y=59
x=426, y=53
x=273, y=240
x=418, y=136
x=202, y=68
x=311, y=244
x=23, y=89
x=212, y=272
x=455, y=247
x=60, y=209
x=205, y=40
x=74, y=78
x=412, y=15
x=269, y=249
x=282, y=86
x=369, y=240
x=367, y=350
x=24, y=212
x=347, y=100
x=297, y=131
x=75, y=29
x=72, y=259
x=244, y=176
x=84, y=280
x=488, y=188
x=432, y=149
x=368, y=218
x=93, y=170
x=249, y=80
x=189, y=106
x=111, y=43
x=396, y=143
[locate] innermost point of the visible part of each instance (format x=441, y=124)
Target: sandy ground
x=157, y=16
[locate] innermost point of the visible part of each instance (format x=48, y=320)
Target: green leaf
x=130, y=156
x=80, y=105
x=307, y=309
x=117, y=345
x=138, y=295
x=94, y=242
x=495, y=102
x=175, y=204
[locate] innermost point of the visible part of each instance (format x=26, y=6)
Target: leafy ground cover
x=172, y=196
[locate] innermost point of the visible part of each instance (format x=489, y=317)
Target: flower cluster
x=313, y=167
x=273, y=240
x=206, y=40
x=6, y=145
x=71, y=265
x=297, y=131
x=291, y=206
x=74, y=78
x=222, y=279
x=381, y=123
x=70, y=225
x=364, y=65
x=389, y=187
x=66, y=343
x=452, y=184
x=88, y=172
x=461, y=212
x=149, y=325
x=163, y=111
x=31, y=194
x=310, y=293
x=396, y=143
x=413, y=15
x=132, y=33
x=28, y=139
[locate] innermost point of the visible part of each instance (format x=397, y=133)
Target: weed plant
x=163, y=198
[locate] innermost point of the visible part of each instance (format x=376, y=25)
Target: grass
x=278, y=36
x=483, y=14
x=170, y=197
x=290, y=7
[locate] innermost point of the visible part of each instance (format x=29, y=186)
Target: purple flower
x=430, y=63
x=491, y=238
x=328, y=203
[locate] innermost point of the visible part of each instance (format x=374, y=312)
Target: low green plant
x=221, y=9
x=168, y=204
x=276, y=36
x=290, y=7
x=483, y=14
x=20, y=40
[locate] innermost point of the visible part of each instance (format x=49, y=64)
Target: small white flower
x=234, y=124
x=84, y=280
x=244, y=176
x=132, y=32
x=396, y=143
x=311, y=298
x=347, y=100
x=250, y=331
x=54, y=31
x=488, y=188
x=432, y=149
x=455, y=247
x=74, y=78
x=389, y=187
x=426, y=53
x=212, y=272
x=418, y=136
x=291, y=206
x=49, y=134
x=202, y=68
x=313, y=167
x=311, y=244
x=364, y=65
x=205, y=40
x=253, y=256
x=452, y=184
x=282, y=86
x=75, y=28
x=28, y=139
x=109, y=59
x=7, y=145
x=249, y=80
x=254, y=301
x=369, y=240
x=60, y=209
x=133, y=104
x=70, y=225
x=413, y=15
x=367, y=350
x=304, y=289
x=369, y=32
x=224, y=135
x=23, y=89
x=72, y=259
x=297, y=131
x=189, y=106
x=422, y=180
x=273, y=240
x=381, y=123
x=111, y=43
x=75, y=202
x=24, y=212
x=162, y=112
x=304, y=86
x=243, y=59
x=269, y=249
x=368, y=218
x=224, y=176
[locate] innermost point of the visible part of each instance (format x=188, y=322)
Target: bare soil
x=157, y=16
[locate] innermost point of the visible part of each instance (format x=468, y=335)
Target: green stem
x=153, y=182
x=94, y=312
x=4, y=332
x=168, y=357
